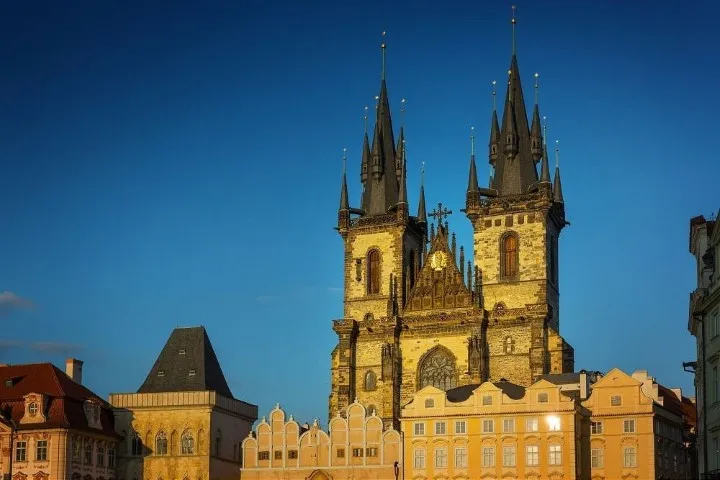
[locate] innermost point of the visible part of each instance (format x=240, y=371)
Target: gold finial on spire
x=513, y=21
x=344, y=161
x=422, y=174
x=494, y=95
x=382, y=47
x=472, y=141
x=365, y=117
x=557, y=153
x=537, y=86
x=402, y=114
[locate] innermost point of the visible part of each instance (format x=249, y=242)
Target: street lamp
x=396, y=469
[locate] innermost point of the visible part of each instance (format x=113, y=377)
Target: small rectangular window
x=420, y=428
x=429, y=403
x=487, y=400
x=358, y=452
x=461, y=457
x=629, y=426
x=509, y=425
x=509, y=456
x=340, y=453
x=192, y=373
x=596, y=428
x=488, y=456
x=278, y=455
x=440, y=458
x=292, y=454
x=41, y=447
x=460, y=427
x=615, y=401
x=488, y=426
x=531, y=424
x=264, y=455
x=182, y=351
x=597, y=459
x=532, y=455
x=161, y=373
x=629, y=457
x=20, y=451
x=542, y=398
x=439, y=428
x=555, y=452
x=371, y=452
x=419, y=459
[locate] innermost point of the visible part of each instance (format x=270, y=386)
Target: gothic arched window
x=187, y=443
x=509, y=345
x=509, y=256
x=161, y=444
x=438, y=369
x=373, y=272
x=370, y=380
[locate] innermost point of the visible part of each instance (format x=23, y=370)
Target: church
x=419, y=312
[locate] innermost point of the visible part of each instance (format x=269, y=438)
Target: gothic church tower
x=415, y=313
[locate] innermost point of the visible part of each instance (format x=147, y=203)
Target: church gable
x=440, y=284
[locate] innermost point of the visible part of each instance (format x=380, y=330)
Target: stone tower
x=415, y=312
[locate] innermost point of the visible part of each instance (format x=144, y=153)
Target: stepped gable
x=440, y=284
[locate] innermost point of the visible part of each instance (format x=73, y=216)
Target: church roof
x=460, y=394
x=187, y=363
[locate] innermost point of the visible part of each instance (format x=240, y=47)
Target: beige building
x=704, y=324
x=355, y=446
x=183, y=423
x=568, y=426
x=52, y=427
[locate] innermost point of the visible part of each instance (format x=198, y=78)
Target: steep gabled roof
x=187, y=363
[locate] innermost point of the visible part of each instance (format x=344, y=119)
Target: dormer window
x=161, y=373
x=33, y=409
x=182, y=351
x=192, y=373
x=8, y=383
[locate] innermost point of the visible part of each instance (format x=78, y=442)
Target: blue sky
x=168, y=164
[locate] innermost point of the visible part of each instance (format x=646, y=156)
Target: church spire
x=382, y=187
x=494, y=144
x=402, y=196
x=344, y=202
x=545, y=166
x=536, y=137
x=422, y=213
x=400, y=148
x=365, y=152
x=557, y=185
x=515, y=169
x=472, y=179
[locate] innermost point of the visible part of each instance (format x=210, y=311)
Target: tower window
x=373, y=272
x=509, y=256
x=370, y=380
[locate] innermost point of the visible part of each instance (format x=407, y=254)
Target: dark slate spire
x=344, y=203
x=557, y=185
x=472, y=178
x=536, y=137
x=402, y=195
x=545, y=166
x=422, y=213
x=381, y=189
x=188, y=364
x=364, y=167
x=399, y=153
x=494, y=145
x=514, y=169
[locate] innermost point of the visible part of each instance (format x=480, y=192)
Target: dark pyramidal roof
x=188, y=350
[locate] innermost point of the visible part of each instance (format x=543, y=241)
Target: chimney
x=584, y=384
x=73, y=369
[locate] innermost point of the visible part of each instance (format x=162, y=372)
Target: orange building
x=492, y=430
x=355, y=446
x=52, y=427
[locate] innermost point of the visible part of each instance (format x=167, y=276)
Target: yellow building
x=52, y=427
x=184, y=421
x=417, y=311
x=636, y=430
x=493, y=430
x=355, y=446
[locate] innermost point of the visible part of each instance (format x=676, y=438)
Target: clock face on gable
x=438, y=260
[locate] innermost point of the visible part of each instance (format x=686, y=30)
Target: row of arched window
x=164, y=444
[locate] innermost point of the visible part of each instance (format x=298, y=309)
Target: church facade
x=420, y=312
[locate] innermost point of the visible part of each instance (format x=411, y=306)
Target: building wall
x=704, y=324
x=654, y=441
x=199, y=414
x=355, y=446
x=559, y=412
x=60, y=463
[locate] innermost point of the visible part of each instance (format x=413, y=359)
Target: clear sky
x=170, y=164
